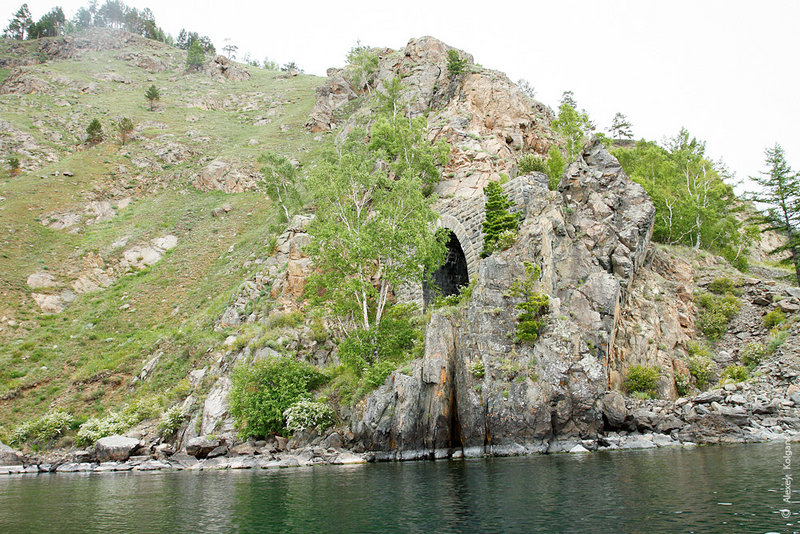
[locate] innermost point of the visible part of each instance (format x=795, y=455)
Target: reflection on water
x=710, y=489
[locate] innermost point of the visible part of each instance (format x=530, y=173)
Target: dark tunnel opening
x=450, y=277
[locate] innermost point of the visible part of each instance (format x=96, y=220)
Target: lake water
x=707, y=489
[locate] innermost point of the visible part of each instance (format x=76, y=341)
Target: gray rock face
x=416, y=410
x=115, y=448
x=476, y=387
x=215, y=409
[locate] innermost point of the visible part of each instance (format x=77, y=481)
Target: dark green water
x=708, y=489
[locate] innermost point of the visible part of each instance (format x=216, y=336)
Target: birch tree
x=371, y=233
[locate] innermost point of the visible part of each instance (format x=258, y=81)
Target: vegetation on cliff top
x=694, y=204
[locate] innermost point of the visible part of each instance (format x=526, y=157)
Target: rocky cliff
x=478, y=391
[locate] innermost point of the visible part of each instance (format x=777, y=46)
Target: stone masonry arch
x=466, y=240
x=464, y=217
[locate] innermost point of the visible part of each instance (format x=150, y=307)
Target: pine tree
x=620, y=127
x=19, y=24
x=152, y=94
x=125, y=127
x=568, y=98
x=95, y=132
x=455, y=63
x=13, y=163
x=500, y=223
x=780, y=191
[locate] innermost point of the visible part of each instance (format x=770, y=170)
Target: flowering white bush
x=116, y=422
x=95, y=428
x=46, y=428
x=171, y=421
x=306, y=414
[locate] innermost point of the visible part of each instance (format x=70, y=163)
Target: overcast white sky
x=726, y=70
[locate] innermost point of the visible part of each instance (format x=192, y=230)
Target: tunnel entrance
x=450, y=277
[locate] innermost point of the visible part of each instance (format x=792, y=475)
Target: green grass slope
x=84, y=358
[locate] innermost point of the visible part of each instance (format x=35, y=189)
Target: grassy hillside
x=85, y=357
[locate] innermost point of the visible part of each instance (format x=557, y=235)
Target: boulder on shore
x=115, y=448
x=9, y=456
x=200, y=447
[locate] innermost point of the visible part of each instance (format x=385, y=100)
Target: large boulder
x=215, y=409
x=115, y=448
x=9, y=456
x=614, y=409
x=200, y=447
x=223, y=68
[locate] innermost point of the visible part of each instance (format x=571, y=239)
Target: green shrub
x=306, y=415
x=776, y=339
x=773, y=319
x=506, y=239
x=535, y=306
x=734, y=373
x=263, y=391
x=99, y=427
x=642, y=379
x=700, y=364
x=116, y=422
x=13, y=163
x=43, y=430
x=530, y=163
x=343, y=386
x=499, y=221
x=477, y=369
x=171, y=421
x=723, y=286
x=285, y=320
x=716, y=312
x=455, y=64
x=752, y=354
x=462, y=297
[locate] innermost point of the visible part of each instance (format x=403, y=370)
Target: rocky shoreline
x=80, y=462
x=747, y=412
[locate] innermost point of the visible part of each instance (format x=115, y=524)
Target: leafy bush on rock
x=752, y=354
x=700, y=364
x=262, y=392
x=734, y=373
x=642, y=379
x=306, y=415
x=773, y=319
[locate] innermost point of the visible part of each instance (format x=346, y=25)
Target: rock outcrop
x=225, y=176
x=488, y=121
x=478, y=391
x=222, y=68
